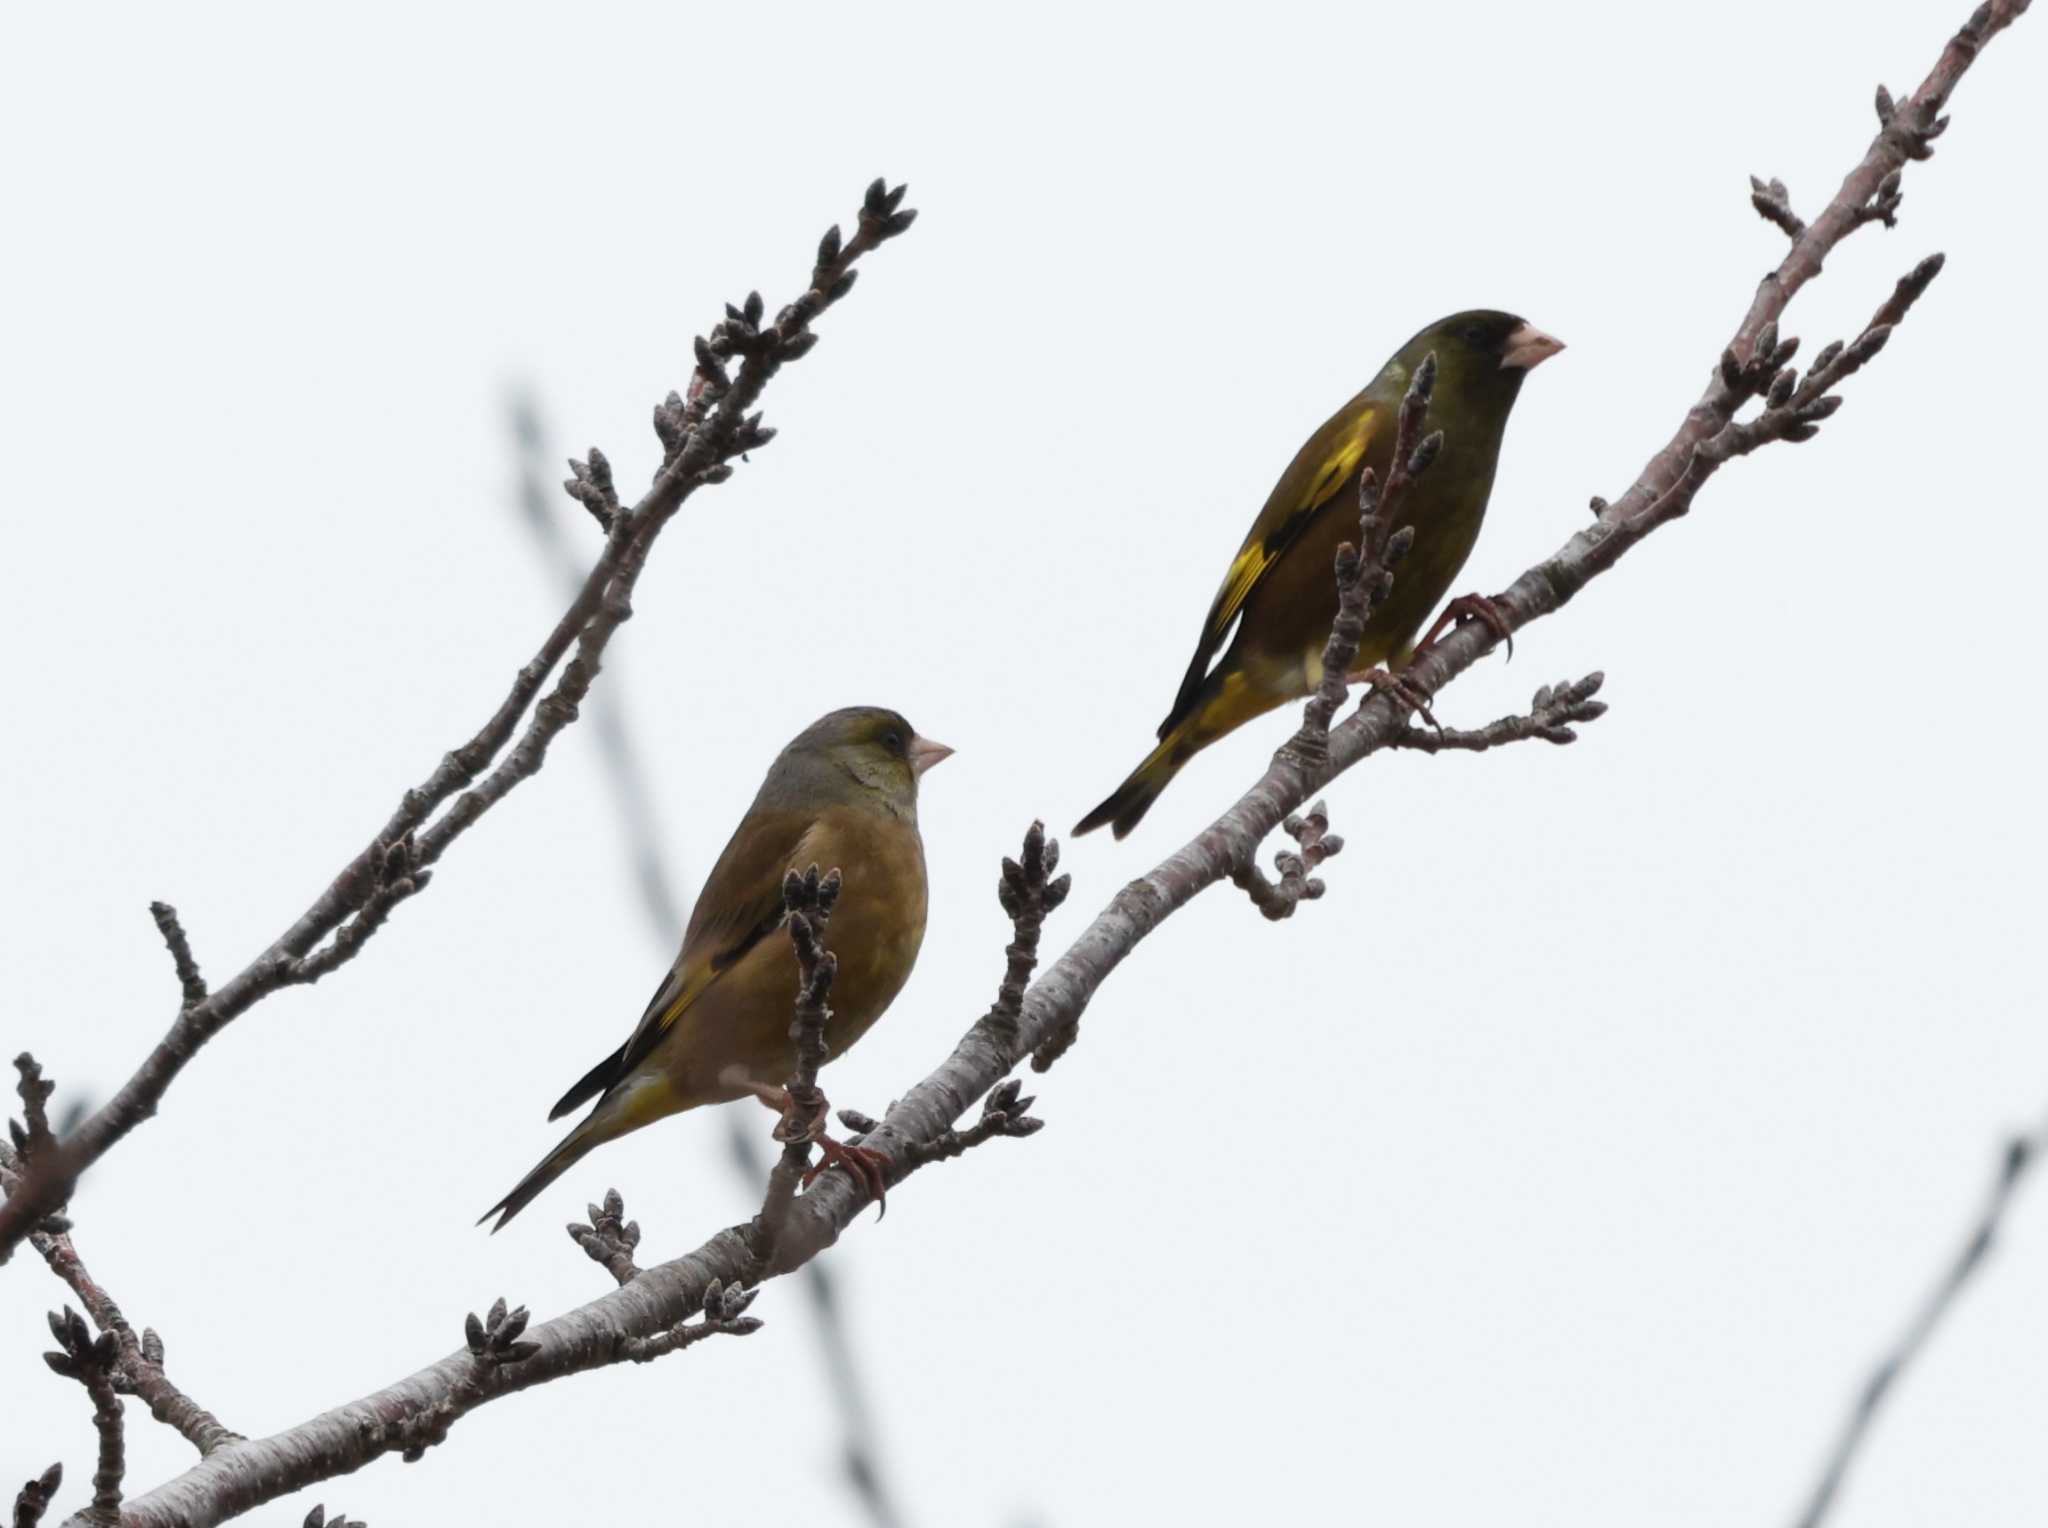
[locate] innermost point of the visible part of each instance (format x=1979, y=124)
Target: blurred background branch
x=2019, y=1156
x=861, y=1463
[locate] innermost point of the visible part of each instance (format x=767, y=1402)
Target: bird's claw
x=1471, y=607
x=803, y=1121
x=866, y=1168
x=1404, y=692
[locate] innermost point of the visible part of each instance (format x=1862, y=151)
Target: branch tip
x=1028, y=892
x=318, y=1518
x=95, y=1363
x=495, y=1340
x=1774, y=204
x=1553, y=712
x=723, y=1313
x=191, y=984
x=609, y=1239
x=1298, y=882
x=35, y=1496
x=1005, y=1113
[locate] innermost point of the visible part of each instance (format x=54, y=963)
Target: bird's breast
x=878, y=926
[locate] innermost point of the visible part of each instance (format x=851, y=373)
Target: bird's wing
x=1308, y=486
x=741, y=905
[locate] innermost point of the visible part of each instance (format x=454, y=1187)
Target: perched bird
x=1279, y=598
x=843, y=794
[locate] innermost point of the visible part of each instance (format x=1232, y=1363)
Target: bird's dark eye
x=1474, y=334
x=893, y=740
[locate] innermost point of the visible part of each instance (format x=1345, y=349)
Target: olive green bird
x=1279, y=598
x=843, y=794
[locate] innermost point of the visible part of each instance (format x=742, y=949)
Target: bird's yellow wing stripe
x=687, y=992
x=1259, y=555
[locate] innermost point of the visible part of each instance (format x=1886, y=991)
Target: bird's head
x=867, y=749
x=1482, y=351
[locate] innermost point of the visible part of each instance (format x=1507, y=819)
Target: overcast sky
x=1568, y=1163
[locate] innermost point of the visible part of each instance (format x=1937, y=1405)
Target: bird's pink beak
x=1529, y=347
x=924, y=753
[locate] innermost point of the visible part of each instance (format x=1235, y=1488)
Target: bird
x=1279, y=597
x=843, y=794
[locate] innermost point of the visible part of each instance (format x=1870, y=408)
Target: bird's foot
x=803, y=1122
x=866, y=1168
x=1470, y=607
x=1403, y=691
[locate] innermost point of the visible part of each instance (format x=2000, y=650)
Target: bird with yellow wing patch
x=1279, y=596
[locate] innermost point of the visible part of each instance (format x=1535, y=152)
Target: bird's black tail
x=572, y=1150
x=1129, y=802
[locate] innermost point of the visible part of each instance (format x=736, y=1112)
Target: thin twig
x=724, y=1314
x=2019, y=1155
x=608, y=1239
x=190, y=981
x=1028, y=891
x=1365, y=577
x=1298, y=882
x=1365, y=572
x=1774, y=204
x=701, y=438
x=94, y=1362
x=1004, y=1114
x=1551, y=716
x=141, y=1357
x=32, y=1146
x=807, y=903
x=33, y=1136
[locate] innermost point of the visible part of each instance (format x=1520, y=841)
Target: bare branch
x=345, y=1438
x=1665, y=489
x=2020, y=1154
x=141, y=1356
x=1298, y=882
x=1028, y=891
x=1551, y=716
x=93, y=1362
x=700, y=440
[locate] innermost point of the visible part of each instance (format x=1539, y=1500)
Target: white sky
x=1568, y=1164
